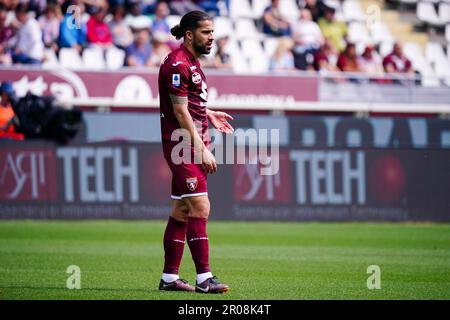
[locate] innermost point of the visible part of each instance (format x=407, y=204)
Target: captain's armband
x=178, y=100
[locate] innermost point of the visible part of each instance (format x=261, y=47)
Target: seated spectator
x=135, y=17
x=28, y=45
x=348, y=60
x=6, y=34
x=307, y=38
x=283, y=59
x=122, y=36
x=149, y=6
x=49, y=23
x=181, y=7
x=370, y=62
x=138, y=54
x=396, y=62
x=72, y=32
x=222, y=60
x=316, y=7
x=209, y=6
x=333, y=30
x=274, y=23
x=325, y=58
x=159, y=23
x=98, y=32
x=7, y=129
x=160, y=49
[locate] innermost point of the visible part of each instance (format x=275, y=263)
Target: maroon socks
x=174, y=238
x=198, y=243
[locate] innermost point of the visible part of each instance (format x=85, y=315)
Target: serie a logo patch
x=176, y=80
x=192, y=183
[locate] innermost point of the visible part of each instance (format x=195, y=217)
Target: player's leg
x=174, y=239
x=197, y=237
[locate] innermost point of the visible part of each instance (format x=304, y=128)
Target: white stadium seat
x=69, y=58
x=259, y=6
x=246, y=28
x=357, y=32
x=427, y=13
x=223, y=27
x=444, y=12
x=352, y=11
x=93, y=58
x=240, y=9
x=115, y=58
x=289, y=10
x=51, y=61
x=270, y=45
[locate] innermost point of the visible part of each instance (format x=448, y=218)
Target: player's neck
x=192, y=51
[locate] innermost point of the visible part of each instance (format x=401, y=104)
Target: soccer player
x=183, y=96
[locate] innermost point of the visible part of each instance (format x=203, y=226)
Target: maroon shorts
x=188, y=180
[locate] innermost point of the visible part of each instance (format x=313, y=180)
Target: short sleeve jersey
x=180, y=75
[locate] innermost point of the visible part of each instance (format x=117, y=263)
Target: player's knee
x=201, y=210
x=180, y=214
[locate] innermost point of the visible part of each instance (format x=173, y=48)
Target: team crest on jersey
x=192, y=183
x=176, y=80
x=196, y=78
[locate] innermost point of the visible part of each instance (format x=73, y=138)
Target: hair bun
x=176, y=32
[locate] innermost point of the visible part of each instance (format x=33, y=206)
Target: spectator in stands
x=348, y=59
x=7, y=130
x=28, y=45
x=274, y=23
x=316, y=7
x=209, y=6
x=72, y=30
x=307, y=38
x=98, y=32
x=160, y=49
x=149, y=6
x=6, y=34
x=325, y=58
x=283, y=59
x=181, y=7
x=49, y=22
x=159, y=23
x=333, y=30
x=139, y=52
x=396, y=62
x=222, y=60
x=135, y=17
x=122, y=36
x=370, y=62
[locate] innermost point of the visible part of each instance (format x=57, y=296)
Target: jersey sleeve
x=178, y=79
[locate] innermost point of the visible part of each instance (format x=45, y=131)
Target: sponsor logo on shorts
x=196, y=78
x=176, y=80
x=192, y=183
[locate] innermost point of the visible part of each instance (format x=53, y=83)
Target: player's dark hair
x=190, y=21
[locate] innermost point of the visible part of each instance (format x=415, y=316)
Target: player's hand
x=209, y=161
x=219, y=120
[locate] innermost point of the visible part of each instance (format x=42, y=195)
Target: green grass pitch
x=265, y=260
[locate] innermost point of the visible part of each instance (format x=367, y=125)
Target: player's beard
x=201, y=48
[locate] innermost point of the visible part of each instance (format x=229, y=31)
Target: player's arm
x=180, y=108
x=219, y=120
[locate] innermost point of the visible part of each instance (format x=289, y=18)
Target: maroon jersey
x=180, y=75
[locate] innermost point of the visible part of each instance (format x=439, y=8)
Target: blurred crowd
x=139, y=28
x=316, y=41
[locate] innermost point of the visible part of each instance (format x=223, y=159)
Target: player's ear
x=189, y=35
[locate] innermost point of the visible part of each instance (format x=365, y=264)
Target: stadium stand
x=422, y=26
